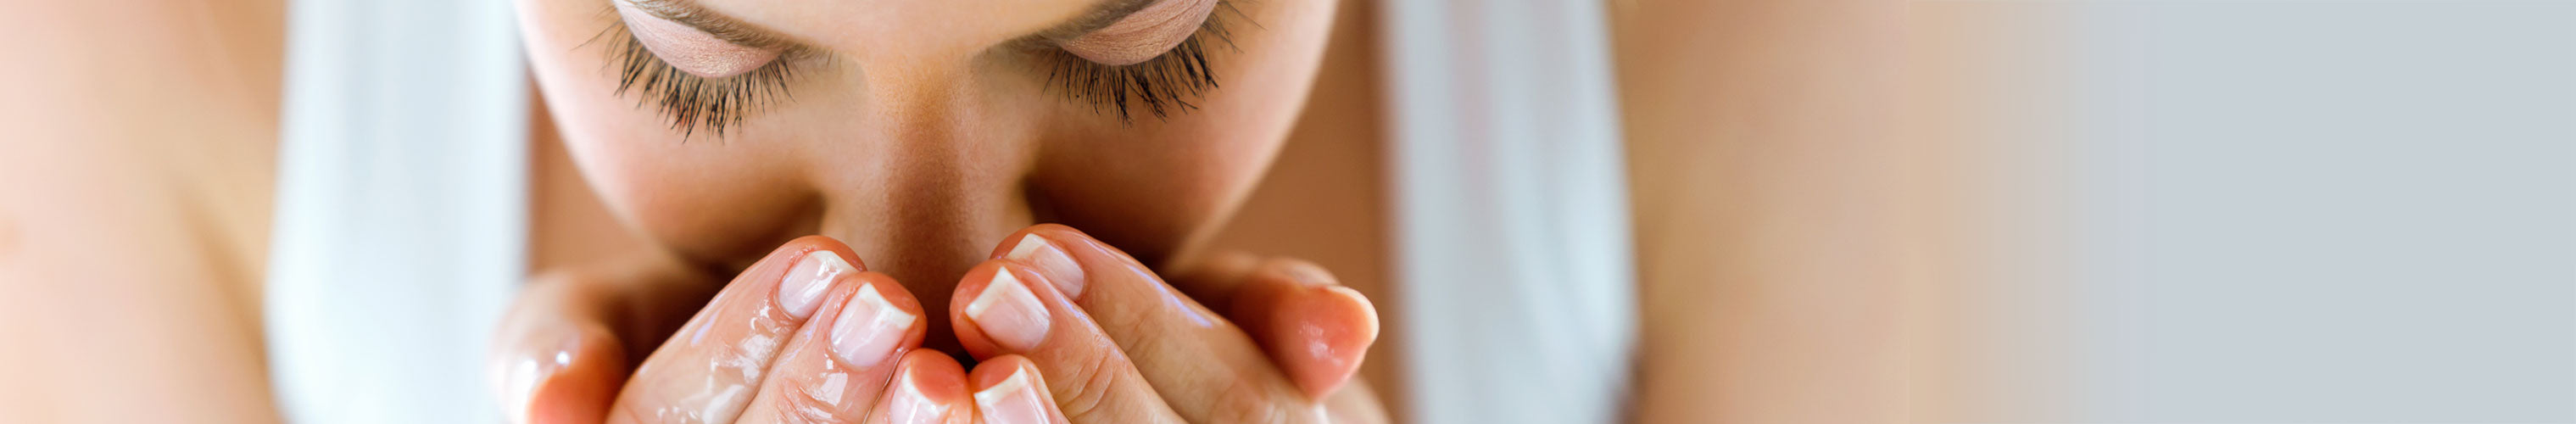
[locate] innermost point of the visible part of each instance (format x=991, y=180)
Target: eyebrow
x=1100, y=16
x=690, y=13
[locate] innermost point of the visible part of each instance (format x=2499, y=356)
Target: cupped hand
x=1115, y=344
x=806, y=335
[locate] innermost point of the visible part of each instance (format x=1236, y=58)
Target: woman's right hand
x=805, y=334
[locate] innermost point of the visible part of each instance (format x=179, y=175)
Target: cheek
x=657, y=182
x=704, y=205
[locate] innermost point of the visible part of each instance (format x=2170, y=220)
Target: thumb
x=554, y=361
x=1316, y=330
x=561, y=352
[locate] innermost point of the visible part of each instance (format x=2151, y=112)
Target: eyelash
x=689, y=100
x=1162, y=85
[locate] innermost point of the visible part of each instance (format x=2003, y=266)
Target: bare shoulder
x=1766, y=210
x=135, y=172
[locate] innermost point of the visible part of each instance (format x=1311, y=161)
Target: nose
x=948, y=106
x=922, y=109
x=947, y=159
x=936, y=148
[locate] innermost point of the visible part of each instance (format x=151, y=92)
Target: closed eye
x=697, y=69
x=1157, y=56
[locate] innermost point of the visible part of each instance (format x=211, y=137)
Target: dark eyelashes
x=690, y=101
x=1163, y=85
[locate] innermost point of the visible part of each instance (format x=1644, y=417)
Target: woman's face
x=921, y=131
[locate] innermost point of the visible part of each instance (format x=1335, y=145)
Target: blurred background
x=1782, y=211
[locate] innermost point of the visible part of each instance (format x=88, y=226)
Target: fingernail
x=868, y=328
x=909, y=405
x=802, y=291
x=1009, y=313
x=518, y=388
x=519, y=380
x=1052, y=261
x=1013, y=401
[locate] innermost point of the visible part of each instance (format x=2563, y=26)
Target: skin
x=919, y=144
x=134, y=224
x=1798, y=251
x=1115, y=331
x=918, y=147
x=190, y=192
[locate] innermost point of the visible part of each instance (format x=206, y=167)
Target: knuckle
x=1087, y=393
x=1248, y=401
x=1127, y=327
x=798, y=405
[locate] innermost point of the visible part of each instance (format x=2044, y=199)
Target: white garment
x=402, y=193
x=1512, y=212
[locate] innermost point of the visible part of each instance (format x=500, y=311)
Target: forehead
x=871, y=27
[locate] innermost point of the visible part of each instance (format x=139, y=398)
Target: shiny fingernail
x=518, y=387
x=1013, y=401
x=521, y=378
x=1052, y=261
x=802, y=291
x=1009, y=313
x=909, y=405
x=868, y=328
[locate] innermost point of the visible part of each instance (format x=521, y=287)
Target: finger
x=554, y=359
x=1007, y=392
x=561, y=351
x=1312, y=327
x=1214, y=279
x=931, y=389
x=1208, y=369
x=835, y=368
x=1356, y=405
x=708, y=370
x=1003, y=308
x=1315, y=329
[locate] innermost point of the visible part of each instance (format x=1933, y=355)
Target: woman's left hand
x=1113, y=343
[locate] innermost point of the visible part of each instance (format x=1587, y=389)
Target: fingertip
x=575, y=382
x=803, y=272
x=1353, y=308
x=1317, y=330
x=1003, y=306
x=930, y=388
x=936, y=373
x=892, y=291
x=1083, y=247
x=969, y=335
x=1332, y=329
x=877, y=319
x=1046, y=256
x=802, y=245
x=1008, y=390
x=992, y=371
x=1054, y=229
